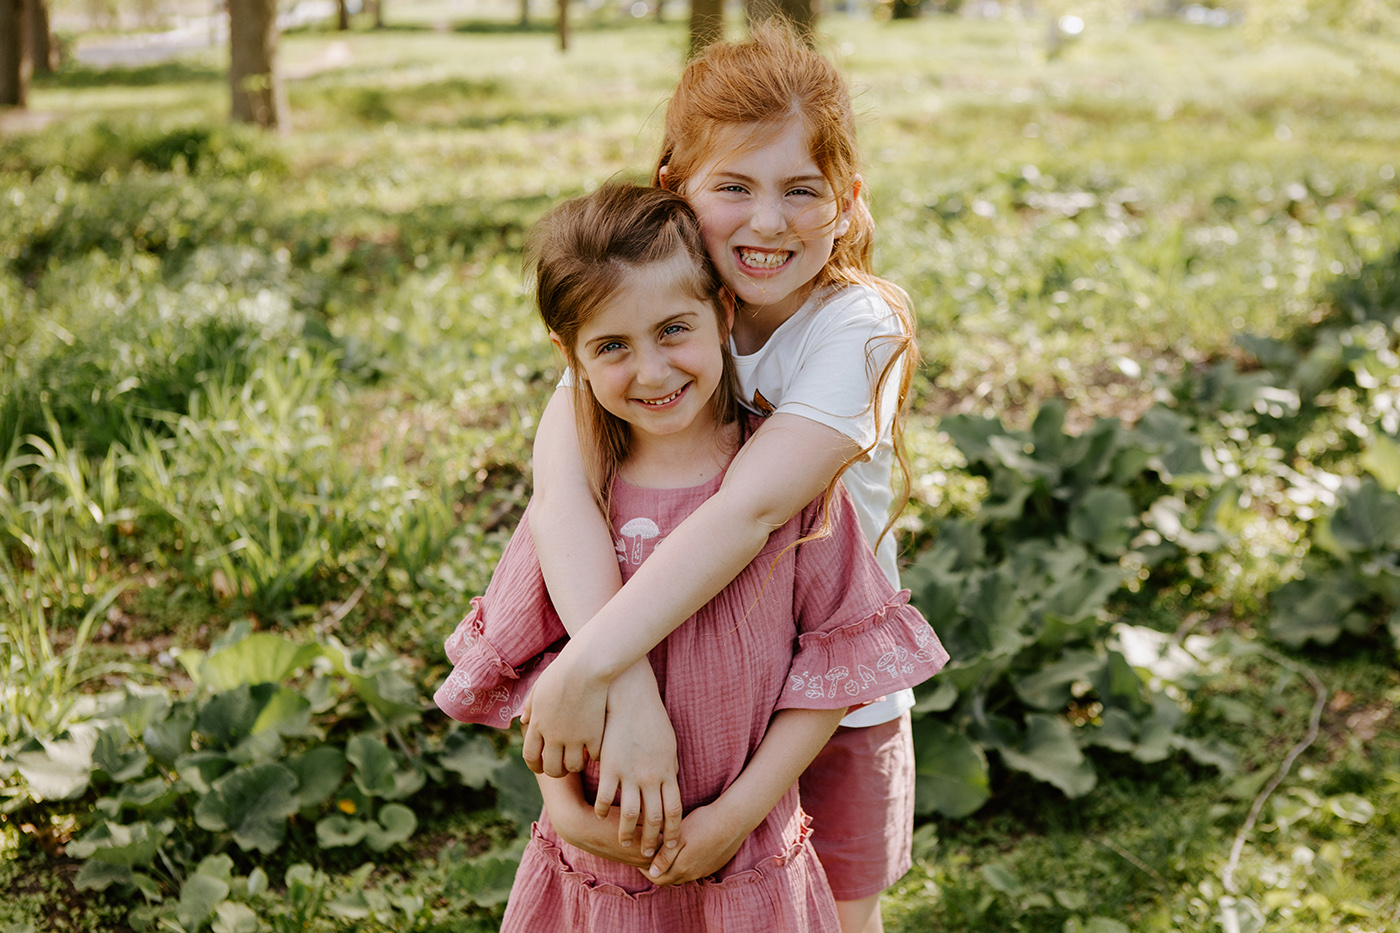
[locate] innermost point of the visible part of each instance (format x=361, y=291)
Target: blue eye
x=671, y=329
x=610, y=346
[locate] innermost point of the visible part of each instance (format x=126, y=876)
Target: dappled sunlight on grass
x=291, y=381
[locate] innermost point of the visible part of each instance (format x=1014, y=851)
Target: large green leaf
x=1366, y=520
x=389, y=695
x=116, y=756
x=1312, y=609
x=471, y=756
x=1178, y=454
x=1105, y=519
x=1048, y=436
x=486, y=878
x=231, y=917
x=1082, y=592
x=319, y=772
x=98, y=876
x=950, y=771
x=1157, y=732
x=1381, y=459
x=971, y=435
x=119, y=844
x=393, y=824
x=1049, y=687
x=61, y=768
x=995, y=620
x=260, y=658
x=378, y=771
x=1049, y=753
x=169, y=738
x=518, y=793
x=336, y=830
x=286, y=712
x=253, y=804
x=201, y=769
x=1118, y=684
x=199, y=896
x=229, y=715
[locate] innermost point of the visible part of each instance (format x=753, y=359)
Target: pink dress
x=814, y=627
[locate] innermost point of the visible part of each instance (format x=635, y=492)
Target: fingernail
x=648, y=852
x=670, y=843
x=655, y=872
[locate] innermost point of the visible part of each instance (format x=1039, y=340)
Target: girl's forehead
x=674, y=274
x=732, y=141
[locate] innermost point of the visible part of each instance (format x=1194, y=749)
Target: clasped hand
x=625, y=727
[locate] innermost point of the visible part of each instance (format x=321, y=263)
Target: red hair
x=756, y=87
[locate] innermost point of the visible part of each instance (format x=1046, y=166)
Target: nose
x=653, y=368
x=768, y=218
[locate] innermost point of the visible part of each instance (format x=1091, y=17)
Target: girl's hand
x=709, y=839
x=575, y=823
x=564, y=719
x=639, y=760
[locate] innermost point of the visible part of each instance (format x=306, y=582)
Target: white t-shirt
x=821, y=364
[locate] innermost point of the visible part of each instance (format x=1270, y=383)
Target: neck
x=754, y=324
x=677, y=461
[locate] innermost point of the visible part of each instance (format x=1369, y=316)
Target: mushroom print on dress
x=638, y=531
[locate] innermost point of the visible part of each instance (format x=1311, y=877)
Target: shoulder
x=855, y=308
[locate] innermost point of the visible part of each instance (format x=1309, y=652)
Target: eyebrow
x=803, y=179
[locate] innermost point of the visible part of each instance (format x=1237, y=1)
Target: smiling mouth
x=763, y=259
x=658, y=402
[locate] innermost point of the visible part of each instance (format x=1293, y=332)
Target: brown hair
x=762, y=83
x=579, y=255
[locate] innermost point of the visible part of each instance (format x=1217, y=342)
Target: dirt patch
x=14, y=122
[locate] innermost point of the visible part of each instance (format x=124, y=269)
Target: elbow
x=756, y=516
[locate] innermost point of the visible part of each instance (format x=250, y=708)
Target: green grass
x=299, y=370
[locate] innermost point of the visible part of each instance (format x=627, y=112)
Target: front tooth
x=663, y=401
x=764, y=260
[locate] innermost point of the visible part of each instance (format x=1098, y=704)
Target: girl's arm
x=788, y=462
x=637, y=753
x=710, y=835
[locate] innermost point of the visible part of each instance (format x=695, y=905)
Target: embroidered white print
x=929, y=646
x=635, y=533
x=898, y=660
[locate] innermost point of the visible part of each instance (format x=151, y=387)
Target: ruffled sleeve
x=508, y=638
x=858, y=639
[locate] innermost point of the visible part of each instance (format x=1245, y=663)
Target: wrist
x=737, y=813
x=637, y=681
x=591, y=666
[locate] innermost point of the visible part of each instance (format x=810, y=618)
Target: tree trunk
x=706, y=23
x=563, y=25
x=378, y=14
x=801, y=13
x=524, y=13
x=15, y=62
x=258, y=96
x=342, y=15
x=43, y=51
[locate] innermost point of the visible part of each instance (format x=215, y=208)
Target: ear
x=661, y=174
x=559, y=345
x=848, y=207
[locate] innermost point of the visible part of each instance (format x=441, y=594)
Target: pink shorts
x=859, y=792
